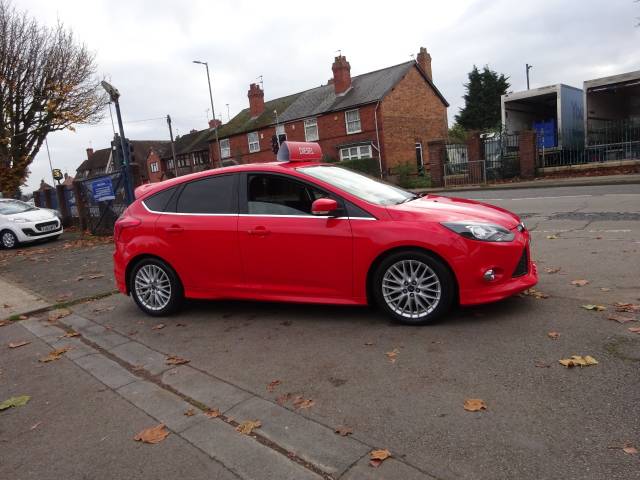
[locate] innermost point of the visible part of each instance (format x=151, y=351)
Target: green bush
x=407, y=177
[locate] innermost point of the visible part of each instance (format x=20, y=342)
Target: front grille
x=523, y=265
x=30, y=232
x=42, y=225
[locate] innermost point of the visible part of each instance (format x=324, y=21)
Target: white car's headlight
x=19, y=220
x=485, y=232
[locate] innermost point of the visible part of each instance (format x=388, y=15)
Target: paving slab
x=243, y=455
x=311, y=441
x=137, y=354
x=77, y=322
x=205, y=389
x=42, y=329
x=105, y=370
x=103, y=337
x=390, y=469
x=166, y=407
x=77, y=348
x=16, y=301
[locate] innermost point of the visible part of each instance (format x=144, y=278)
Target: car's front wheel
x=8, y=239
x=413, y=287
x=155, y=287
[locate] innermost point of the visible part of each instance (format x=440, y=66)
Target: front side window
x=214, y=194
x=225, y=148
x=355, y=153
x=352, y=119
x=276, y=195
x=254, y=142
x=311, y=130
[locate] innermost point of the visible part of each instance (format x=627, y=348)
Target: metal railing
x=465, y=173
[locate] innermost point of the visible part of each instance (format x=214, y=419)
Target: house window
x=355, y=153
x=225, y=148
x=183, y=162
x=170, y=164
x=352, y=118
x=311, y=130
x=200, y=158
x=154, y=167
x=254, y=142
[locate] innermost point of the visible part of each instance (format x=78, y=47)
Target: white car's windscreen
x=11, y=207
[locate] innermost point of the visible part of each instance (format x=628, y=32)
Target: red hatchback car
x=302, y=231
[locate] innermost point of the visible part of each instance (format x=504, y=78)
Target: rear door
x=287, y=251
x=199, y=229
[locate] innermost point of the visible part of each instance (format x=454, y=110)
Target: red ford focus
x=302, y=231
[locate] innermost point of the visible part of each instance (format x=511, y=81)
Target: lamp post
x=528, y=67
x=114, y=94
x=213, y=112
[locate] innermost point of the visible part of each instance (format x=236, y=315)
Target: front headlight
x=19, y=220
x=484, y=232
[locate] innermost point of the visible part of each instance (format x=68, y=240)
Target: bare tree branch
x=48, y=82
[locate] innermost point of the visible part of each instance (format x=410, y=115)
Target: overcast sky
x=145, y=48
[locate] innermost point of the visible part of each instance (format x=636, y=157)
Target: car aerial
x=298, y=230
x=24, y=223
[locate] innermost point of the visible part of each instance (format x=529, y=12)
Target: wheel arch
x=137, y=259
x=407, y=248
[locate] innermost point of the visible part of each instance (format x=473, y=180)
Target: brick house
x=388, y=114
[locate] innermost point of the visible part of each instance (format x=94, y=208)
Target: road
x=542, y=420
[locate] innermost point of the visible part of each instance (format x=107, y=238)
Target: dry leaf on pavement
x=532, y=292
x=553, y=335
x=282, y=399
x=552, y=237
x=152, y=435
x=579, y=283
x=541, y=364
x=175, y=360
x=96, y=276
x=58, y=313
x=393, y=355
x=343, y=431
x=54, y=355
x=15, y=402
x=552, y=269
x=474, y=405
x=159, y=326
x=212, y=413
x=626, y=307
x=629, y=449
x=621, y=318
x=19, y=344
x=376, y=457
x=71, y=334
x=248, y=426
x=597, y=308
x=368, y=344
x=189, y=413
x=634, y=329
x=578, y=361
x=4, y=323
x=605, y=289
x=272, y=385
x=300, y=402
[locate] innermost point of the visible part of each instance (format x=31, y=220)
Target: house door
x=419, y=158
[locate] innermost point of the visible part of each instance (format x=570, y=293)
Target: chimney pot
x=424, y=62
x=341, y=74
x=214, y=123
x=256, y=100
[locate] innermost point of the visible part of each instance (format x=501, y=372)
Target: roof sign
x=299, y=152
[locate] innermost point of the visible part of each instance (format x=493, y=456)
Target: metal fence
x=502, y=155
x=102, y=214
x=458, y=170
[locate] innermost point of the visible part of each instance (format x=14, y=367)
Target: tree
x=482, y=100
x=48, y=83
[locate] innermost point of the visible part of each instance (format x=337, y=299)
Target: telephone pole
x=529, y=67
x=173, y=147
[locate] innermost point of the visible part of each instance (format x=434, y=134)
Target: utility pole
x=213, y=111
x=228, y=114
x=50, y=164
x=173, y=147
x=528, y=67
x=275, y=112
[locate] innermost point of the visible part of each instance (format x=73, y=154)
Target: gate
x=458, y=170
x=104, y=201
x=502, y=155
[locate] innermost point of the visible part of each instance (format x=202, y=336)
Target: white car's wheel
x=8, y=239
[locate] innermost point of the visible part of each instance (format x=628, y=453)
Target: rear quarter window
x=158, y=202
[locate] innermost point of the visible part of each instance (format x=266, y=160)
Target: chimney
x=214, y=123
x=341, y=75
x=256, y=100
x=89, y=153
x=424, y=61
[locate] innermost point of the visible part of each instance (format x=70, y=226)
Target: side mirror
x=324, y=206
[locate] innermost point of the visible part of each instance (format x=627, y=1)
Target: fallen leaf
x=212, y=413
x=35, y=425
x=79, y=278
x=532, y=292
x=63, y=297
x=579, y=283
x=634, y=329
x=175, y=360
x=19, y=344
x=393, y=355
x=4, y=323
x=376, y=457
x=343, y=431
x=152, y=435
x=552, y=237
x=54, y=355
x=541, y=364
x=621, y=318
x=96, y=276
x=58, y=313
x=597, y=308
x=159, y=326
x=300, y=402
x=20, y=401
x=190, y=413
x=629, y=449
x=272, y=385
x=248, y=426
x=282, y=399
x=181, y=324
x=578, y=361
x=6, y=305
x=474, y=405
x=605, y=289
x=552, y=270
x=553, y=335
x=23, y=317
x=368, y=344
x=626, y=307
x=71, y=334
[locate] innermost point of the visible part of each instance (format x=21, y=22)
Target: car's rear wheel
x=413, y=287
x=155, y=287
x=8, y=239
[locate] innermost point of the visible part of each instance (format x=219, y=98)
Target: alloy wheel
x=411, y=289
x=8, y=240
x=153, y=287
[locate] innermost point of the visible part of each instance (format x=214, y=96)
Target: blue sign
x=102, y=189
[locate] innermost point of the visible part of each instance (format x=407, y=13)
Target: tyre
x=8, y=239
x=413, y=287
x=155, y=287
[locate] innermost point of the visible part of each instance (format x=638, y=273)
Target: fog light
x=489, y=275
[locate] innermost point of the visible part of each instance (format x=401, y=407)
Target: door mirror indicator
x=324, y=206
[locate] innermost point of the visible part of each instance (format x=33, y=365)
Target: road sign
x=102, y=189
x=57, y=174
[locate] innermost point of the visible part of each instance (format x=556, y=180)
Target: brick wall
x=154, y=158
x=411, y=112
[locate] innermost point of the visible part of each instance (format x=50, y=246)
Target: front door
x=286, y=251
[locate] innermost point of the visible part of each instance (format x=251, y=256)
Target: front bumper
x=32, y=231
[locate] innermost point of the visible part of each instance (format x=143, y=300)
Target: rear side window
x=159, y=201
x=215, y=194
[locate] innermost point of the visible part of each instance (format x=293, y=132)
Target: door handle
x=258, y=231
x=174, y=229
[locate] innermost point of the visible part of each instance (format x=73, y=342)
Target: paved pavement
x=542, y=419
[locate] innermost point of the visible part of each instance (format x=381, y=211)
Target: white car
x=23, y=223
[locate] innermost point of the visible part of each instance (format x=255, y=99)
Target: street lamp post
x=115, y=95
x=213, y=112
